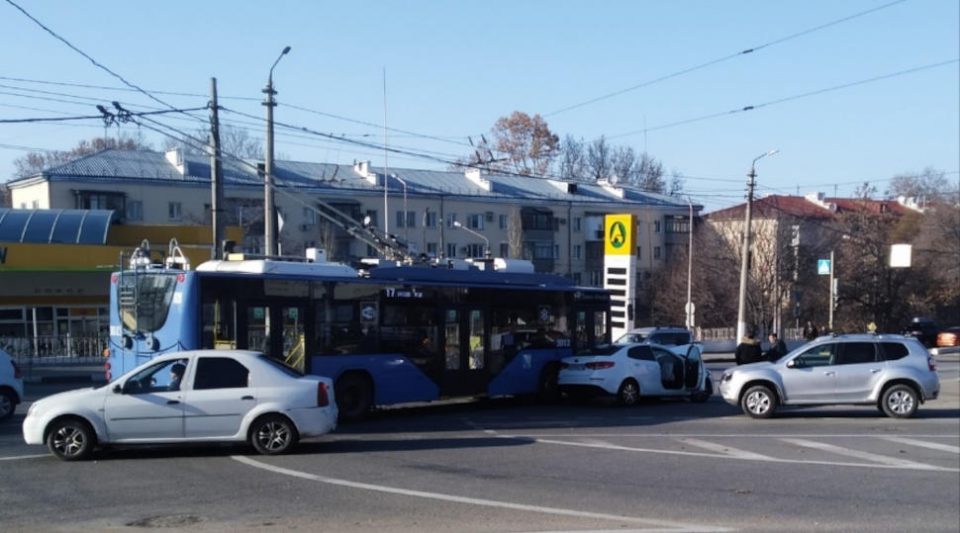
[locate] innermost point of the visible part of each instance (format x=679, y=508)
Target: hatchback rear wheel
x=899, y=401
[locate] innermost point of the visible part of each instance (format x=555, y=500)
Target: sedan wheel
x=7, y=405
x=758, y=402
x=899, y=401
x=71, y=439
x=273, y=435
x=629, y=393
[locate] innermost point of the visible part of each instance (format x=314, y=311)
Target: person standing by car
x=810, y=331
x=777, y=349
x=748, y=351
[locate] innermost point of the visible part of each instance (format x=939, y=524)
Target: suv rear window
x=891, y=351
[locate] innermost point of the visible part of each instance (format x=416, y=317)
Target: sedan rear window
x=281, y=366
x=603, y=349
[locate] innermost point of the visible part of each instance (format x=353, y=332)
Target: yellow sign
x=618, y=235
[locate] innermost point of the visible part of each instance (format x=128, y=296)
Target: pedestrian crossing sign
x=823, y=267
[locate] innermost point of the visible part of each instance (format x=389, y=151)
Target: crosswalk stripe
x=839, y=450
x=924, y=444
x=724, y=449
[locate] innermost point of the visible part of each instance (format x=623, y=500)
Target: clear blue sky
x=454, y=67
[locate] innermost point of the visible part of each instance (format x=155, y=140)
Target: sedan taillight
x=599, y=365
x=323, y=397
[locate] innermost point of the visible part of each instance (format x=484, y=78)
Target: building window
x=451, y=249
x=656, y=252
x=135, y=210
x=309, y=216
x=656, y=226
x=100, y=200
x=542, y=250
x=35, y=204
x=175, y=211
x=432, y=249
x=430, y=219
x=577, y=223
x=596, y=278
x=406, y=219
x=577, y=251
x=639, y=249
x=451, y=218
x=475, y=250
x=503, y=221
x=533, y=219
x=576, y=278
x=475, y=221
x=556, y=251
x=678, y=224
x=504, y=249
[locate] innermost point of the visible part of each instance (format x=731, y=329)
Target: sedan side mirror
x=793, y=363
x=117, y=389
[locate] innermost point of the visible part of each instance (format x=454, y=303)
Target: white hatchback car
x=634, y=370
x=11, y=385
x=224, y=396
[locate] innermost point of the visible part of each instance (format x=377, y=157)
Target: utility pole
x=833, y=292
x=269, y=209
x=689, y=307
x=745, y=255
x=216, y=173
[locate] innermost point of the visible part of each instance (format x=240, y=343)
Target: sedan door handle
x=173, y=402
x=829, y=373
x=874, y=370
x=247, y=398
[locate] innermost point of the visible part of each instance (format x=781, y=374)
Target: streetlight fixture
x=486, y=241
x=269, y=209
x=745, y=252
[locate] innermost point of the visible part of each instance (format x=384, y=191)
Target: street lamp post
x=689, y=307
x=269, y=209
x=486, y=241
x=745, y=252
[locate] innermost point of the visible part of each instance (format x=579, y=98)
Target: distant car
x=893, y=372
x=11, y=385
x=224, y=396
x=663, y=335
x=948, y=340
x=924, y=329
x=630, y=371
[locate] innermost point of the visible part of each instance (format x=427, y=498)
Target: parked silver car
x=893, y=372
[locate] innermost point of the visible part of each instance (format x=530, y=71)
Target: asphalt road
x=510, y=466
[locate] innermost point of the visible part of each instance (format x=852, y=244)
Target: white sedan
x=221, y=396
x=634, y=370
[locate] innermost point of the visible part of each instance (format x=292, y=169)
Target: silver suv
x=665, y=335
x=893, y=372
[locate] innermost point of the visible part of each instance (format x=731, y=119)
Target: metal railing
x=79, y=349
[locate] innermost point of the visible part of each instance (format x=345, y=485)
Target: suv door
x=858, y=369
x=812, y=377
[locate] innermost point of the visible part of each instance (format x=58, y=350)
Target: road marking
x=728, y=435
x=667, y=525
x=18, y=457
x=724, y=449
x=924, y=444
x=767, y=459
x=840, y=450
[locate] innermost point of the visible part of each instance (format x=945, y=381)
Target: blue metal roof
x=45, y=226
x=144, y=165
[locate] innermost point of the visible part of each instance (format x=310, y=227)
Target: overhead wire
x=724, y=58
x=787, y=99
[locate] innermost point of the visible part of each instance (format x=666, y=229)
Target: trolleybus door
x=277, y=328
x=464, y=351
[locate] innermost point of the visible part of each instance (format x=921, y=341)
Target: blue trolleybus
x=390, y=334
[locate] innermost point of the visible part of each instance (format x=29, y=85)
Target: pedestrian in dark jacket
x=777, y=349
x=748, y=351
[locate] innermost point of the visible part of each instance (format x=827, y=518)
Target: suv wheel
x=899, y=401
x=758, y=402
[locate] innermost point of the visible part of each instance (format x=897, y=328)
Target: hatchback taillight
x=599, y=365
x=323, y=398
x=16, y=370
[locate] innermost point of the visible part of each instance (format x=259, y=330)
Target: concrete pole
x=745, y=258
x=269, y=208
x=689, y=307
x=832, y=289
x=216, y=173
